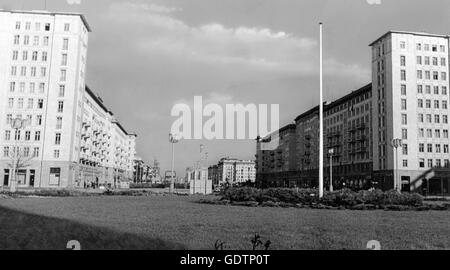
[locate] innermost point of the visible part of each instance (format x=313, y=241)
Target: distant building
x=233, y=171
x=198, y=181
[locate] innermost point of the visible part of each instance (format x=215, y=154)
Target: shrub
x=243, y=194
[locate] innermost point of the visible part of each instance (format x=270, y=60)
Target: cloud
x=260, y=49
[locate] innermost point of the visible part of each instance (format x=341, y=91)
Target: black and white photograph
x=229, y=126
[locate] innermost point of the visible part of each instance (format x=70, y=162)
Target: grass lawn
x=159, y=222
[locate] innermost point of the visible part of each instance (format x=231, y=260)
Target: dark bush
x=243, y=194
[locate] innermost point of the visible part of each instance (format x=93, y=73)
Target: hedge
x=345, y=197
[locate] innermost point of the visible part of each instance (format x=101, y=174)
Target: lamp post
x=173, y=139
x=396, y=143
x=17, y=124
x=331, y=152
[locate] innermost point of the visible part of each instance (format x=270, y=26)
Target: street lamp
x=331, y=152
x=396, y=143
x=17, y=124
x=173, y=139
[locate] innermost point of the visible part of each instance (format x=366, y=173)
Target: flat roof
x=51, y=13
x=408, y=33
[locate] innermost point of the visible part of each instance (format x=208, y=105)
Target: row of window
x=427, y=60
x=429, y=133
x=27, y=137
x=7, y=151
x=427, y=118
x=437, y=104
x=437, y=163
x=36, y=41
x=420, y=76
x=427, y=89
x=35, y=56
x=37, y=26
x=32, y=88
x=38, y=120
x=40, y=104
x=437, y=148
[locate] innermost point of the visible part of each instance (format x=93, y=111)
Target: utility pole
x=321, y=115
x=173, y=139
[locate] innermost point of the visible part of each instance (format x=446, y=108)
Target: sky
x=145, y=56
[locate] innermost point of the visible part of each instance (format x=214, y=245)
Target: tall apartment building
x=42, y=79
x=233, y=171
x=408, y=99
x=410, y=83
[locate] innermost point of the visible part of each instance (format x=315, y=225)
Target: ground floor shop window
x=55, y=176
x=6, y=178
x=21, y=177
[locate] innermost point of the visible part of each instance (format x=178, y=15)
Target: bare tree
x=18, y=160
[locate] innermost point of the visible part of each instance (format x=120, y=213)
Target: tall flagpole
x=321, y=117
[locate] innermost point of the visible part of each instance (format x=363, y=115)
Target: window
x=402, y=60
x=60, y=106
x=435, y=61
x=428, y=88
x=47, y=27
x=438, y=148
x=420, y=103
x=17, y=25
x=419, y=60
x=404, y=134
x=39, y=120
x=44, y=56
x=403, y=75
x=445, y=133
x=64, y=59
x=58, y=138
x=25, y=55
x=6, y=151
x=446, y=148
x=62, y=90
x=43, y=72
x=405, y=163
x=404, y=119
x=36, y=152
x=37, y=136
x=419, y=46
x=402, y=45
x=23, y=71
x=403, y=89
x=436, y=104
x=436, y=90
x=34, y=57
x=444, y=90
x=443, y=76
x=36, y=40
x=65, y=44
x=16, y=40
x=435, y=75
x=56, y=154
x=429, y=148
x=42, y=87
x=429, y=133
x=445, y=119
x=66, y=27
x=419, y=89
x=442, y=48
x=434, y=48
x=26, y=40
x=40, y=104
x=13, y=71
x=422, y=163
x=443, y=62
x=55, y=176
x=421, y=148
x=63, y=75
x=428, y=104
x=59, y=122
x=421, y=133
x=15, y=55
x=419, y=74
x=45, y=42
x=30, y=103
x=437, y=133
x=404, y=105
x=427, y=60
x=7, y=135
x=438, y=163
x=26, y=151
x=11, y=103
x=20, y=103
x=437, y=119
x=27, y=135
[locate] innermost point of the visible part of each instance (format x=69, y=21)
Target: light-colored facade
x=42, y=79
x=410, y=74
x=235, y=171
